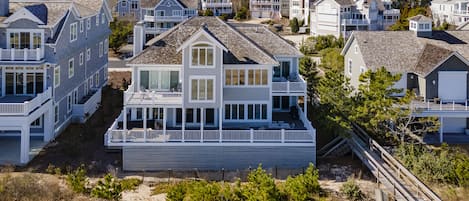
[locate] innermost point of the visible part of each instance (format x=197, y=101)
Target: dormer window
x=202, y=56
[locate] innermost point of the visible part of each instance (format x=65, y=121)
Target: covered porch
x=10, y=148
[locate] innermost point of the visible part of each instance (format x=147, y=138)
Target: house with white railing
x=434, y=66
x=450, y=11
x=218, y=7
x=266, y=8
x=53, y=63
x=209, y=94
x=341, y=17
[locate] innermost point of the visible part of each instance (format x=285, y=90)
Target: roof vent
x=421, y=25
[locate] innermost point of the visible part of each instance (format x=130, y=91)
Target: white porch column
x=124, y=120
x=441, y=129
x=25, y=140
x=305, y=106
x=183, y=123
x=144, y=124
x=165, y=114
x=202, y=124
x=48, y=126
x=220, y=123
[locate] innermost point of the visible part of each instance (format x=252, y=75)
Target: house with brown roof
x=208, y=94
x=434, y=65
x=53, y=64
x=341, y=17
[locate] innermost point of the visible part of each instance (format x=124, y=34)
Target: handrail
x=402, y=172
x=384, y=172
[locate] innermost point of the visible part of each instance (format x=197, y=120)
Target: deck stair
x=337, y=147
x=390, y=174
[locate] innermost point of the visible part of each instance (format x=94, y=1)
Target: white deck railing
x=298, y=86
x=169, y=18
x=441, y=105
x=216, y=5
x=120, y=137
x=461, y=12
x=151, y=97
x=26, y=107
x=355, y=22
x=89, y=107
x=21, y=54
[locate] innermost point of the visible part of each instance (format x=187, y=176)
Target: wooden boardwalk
x=394, y=177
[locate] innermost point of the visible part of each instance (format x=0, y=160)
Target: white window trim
x=198, y=77
x=101, y=49
x=97, y=20
x=106, y=46
x=88, y=54
x=69, y=103
x=56, y=114
x=70, y=75
x=96, y=79
x=362, y=69
x=88, y=23
x=356, y=49
x=81, y=26
x=57, y=81
x=246, y=112
x=349, y=67
x=102, y=18
x=210, y=46
x=72, y=39
x=81, y=58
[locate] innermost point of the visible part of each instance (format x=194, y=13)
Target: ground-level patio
x=10, y=148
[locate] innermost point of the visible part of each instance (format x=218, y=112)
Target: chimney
x=139, y=38
x=421, y=26
x=4, y=8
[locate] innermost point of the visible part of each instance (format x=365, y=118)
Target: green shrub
x=130, y=184
x=447, y=165
x=178, y=191
x=203, y=190
x=242, y=14
x=109, y=188
x=304, y=186
x=208, y=12
x=294, y=25
x=77, y=179
x=351, y=190
x=260, y=186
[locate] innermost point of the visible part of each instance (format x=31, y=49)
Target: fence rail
x=388, y=168
x=26, y=107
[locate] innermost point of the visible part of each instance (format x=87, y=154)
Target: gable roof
x=430, y=56
x=240, y=49
x=52, y=11
x=420, y=18
x=184, y=3
x=267, y=40
x=403, y=51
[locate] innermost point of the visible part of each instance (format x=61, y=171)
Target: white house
x=341, y=17
x=208, y=94
x=455, y=12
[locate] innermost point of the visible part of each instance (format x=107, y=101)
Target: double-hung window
x=71, y=68
x=100, y=49
x=235, y=77
x=202, y=56
x=57, y=76
x=257, y=111
x=88, y=54
x=202, y=89
x=73, y=32
x=258, y=77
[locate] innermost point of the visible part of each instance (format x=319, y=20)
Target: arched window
x=202, y=55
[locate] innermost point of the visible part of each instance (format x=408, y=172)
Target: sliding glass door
x=159, y=80
x=23, y=82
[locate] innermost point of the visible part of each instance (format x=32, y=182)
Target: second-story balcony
x=289, y=86
x=150, y=97
x=21, y=54
x=150, y=18
x=355, y=22
x=216, y=4
x=392, y=12
x=461, y=12
x=23, y=105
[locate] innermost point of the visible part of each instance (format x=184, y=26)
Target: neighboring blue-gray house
x=209, y=94
x=53, y=63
